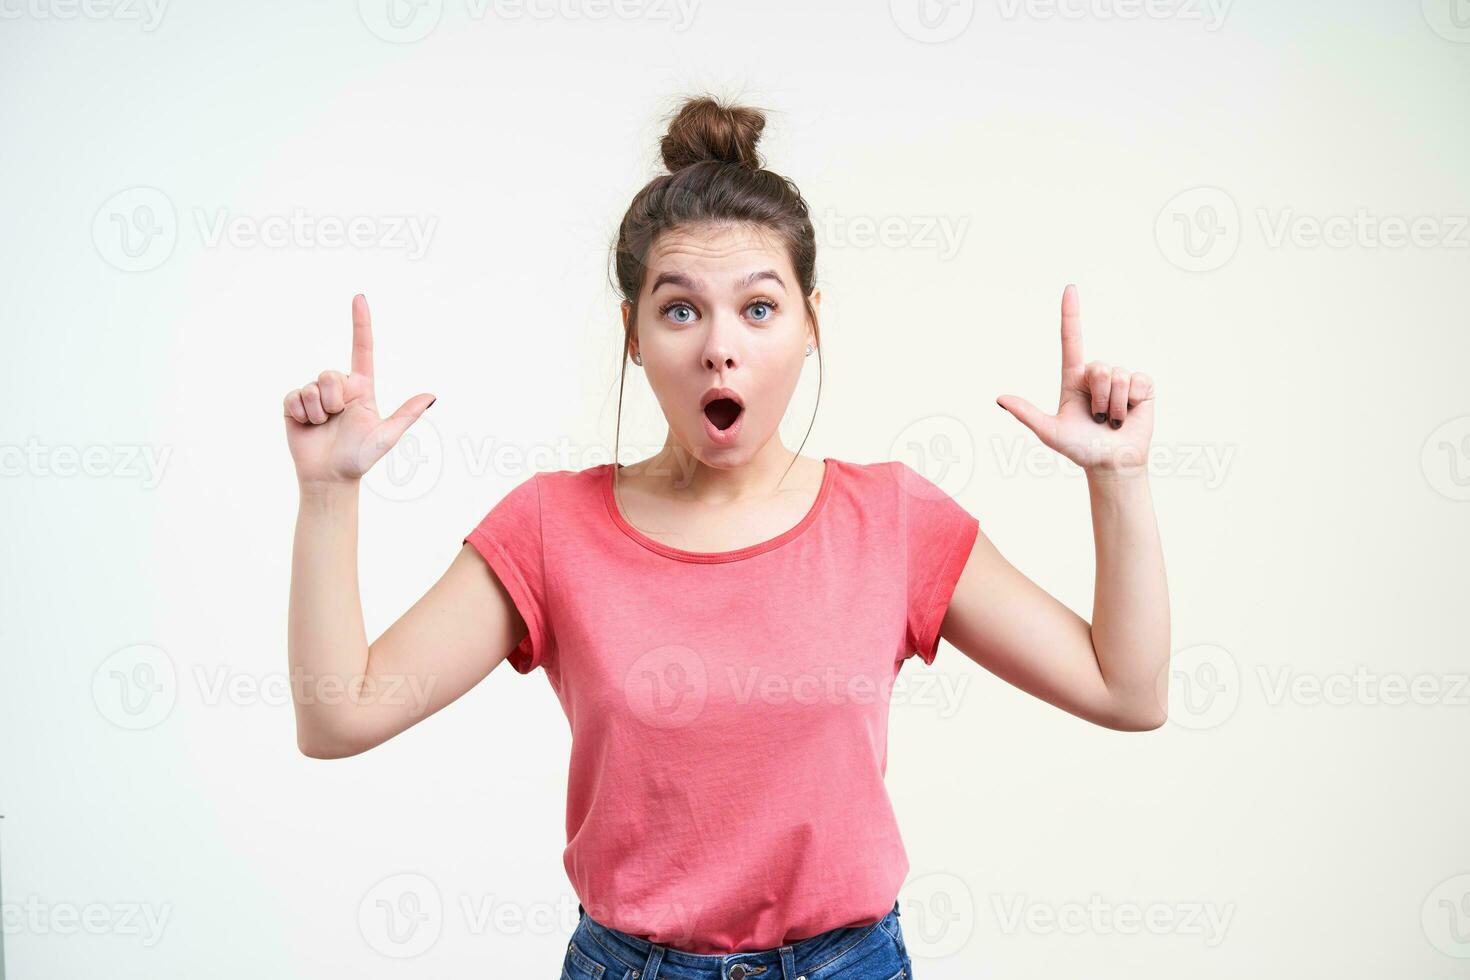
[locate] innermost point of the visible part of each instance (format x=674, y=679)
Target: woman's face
x=721, y=307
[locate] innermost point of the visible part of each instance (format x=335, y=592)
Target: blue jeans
x=875, y=952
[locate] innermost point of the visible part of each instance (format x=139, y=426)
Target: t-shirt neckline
x=829, y=473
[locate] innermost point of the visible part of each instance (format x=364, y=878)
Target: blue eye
x=677, y=306
x=769, y=306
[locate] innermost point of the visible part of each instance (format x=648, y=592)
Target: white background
x=1312, y=495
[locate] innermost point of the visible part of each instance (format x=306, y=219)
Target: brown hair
x=714, y=175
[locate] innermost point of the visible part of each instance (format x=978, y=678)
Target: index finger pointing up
x=1071, y=329
x=362, y=337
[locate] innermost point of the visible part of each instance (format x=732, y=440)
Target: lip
x=716, y=393
x=722, y=437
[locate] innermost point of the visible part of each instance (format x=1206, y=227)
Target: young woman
x=723, y=622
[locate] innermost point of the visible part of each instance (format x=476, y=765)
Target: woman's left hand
x=1105, y=416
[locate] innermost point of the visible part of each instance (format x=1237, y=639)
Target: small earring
x=809, y=350
x=638, y=359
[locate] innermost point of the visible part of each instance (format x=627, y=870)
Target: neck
x=678, y=472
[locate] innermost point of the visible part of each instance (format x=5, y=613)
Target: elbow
x=327, y=745
x=1138, y=707
x=314, y=750
x=1139, y=715
x=1147, y=722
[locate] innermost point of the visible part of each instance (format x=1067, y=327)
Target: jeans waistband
x=802, y=956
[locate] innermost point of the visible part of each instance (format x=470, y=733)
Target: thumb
x=408, y=413
x=387, y=432
x=1028, y=414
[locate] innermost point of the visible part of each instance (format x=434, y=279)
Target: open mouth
x=722, y=412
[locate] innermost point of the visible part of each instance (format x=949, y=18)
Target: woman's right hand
x=332, y=423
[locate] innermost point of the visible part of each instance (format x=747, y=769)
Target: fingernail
x=430, y=405
x=1116, y=423
x=1099, y=416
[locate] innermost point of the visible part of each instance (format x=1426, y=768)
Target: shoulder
x=549, y=478
x=894, y=487
x=883, y=477
x=565, y=489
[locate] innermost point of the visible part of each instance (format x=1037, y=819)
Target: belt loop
x=788, y=963
x=655, y=958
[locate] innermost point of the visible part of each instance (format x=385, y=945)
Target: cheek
x=776, y=378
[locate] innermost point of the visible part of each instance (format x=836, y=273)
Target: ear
x=627, y=311
x=816, y=308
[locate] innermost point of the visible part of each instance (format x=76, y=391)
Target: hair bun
x=705, y=129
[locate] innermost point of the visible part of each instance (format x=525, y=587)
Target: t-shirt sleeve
x=509, y=539
x=938, y=535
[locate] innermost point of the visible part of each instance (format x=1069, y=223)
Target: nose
x=719, y=344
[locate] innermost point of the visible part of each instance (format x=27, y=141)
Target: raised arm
x=1112, y=672
x=349, y=695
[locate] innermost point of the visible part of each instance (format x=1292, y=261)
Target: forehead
x=717, y=255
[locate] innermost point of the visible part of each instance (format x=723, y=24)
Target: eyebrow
x=679, y=279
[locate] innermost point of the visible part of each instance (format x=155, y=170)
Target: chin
x=725, y=456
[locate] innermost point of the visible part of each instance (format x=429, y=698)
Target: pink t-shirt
x=729, y=710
